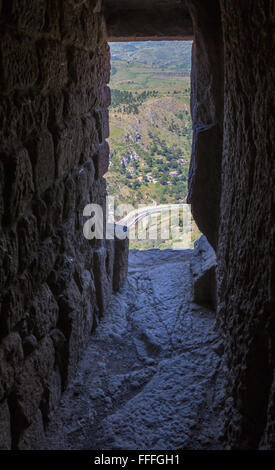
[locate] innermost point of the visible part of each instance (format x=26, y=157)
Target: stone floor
x=152, y=376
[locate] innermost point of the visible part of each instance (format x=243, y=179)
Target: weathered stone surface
x=1, y=192
x=103, y=65
x=30, y=343
x=44, y=312
x=268, y=438
x=19, y=62
x=19, y=186
x=5, y=428
x=13, y=309
x=157, y=382
x=28, y=15
x=102, y=159
x=203, y=267
x=69, y=144
x=207, y=116
x=76, y=320
x=53, y=65
x=246, y=236
x=30, y=384
x=103, y=274
x=11, y=359
x=104, y=97
x=79, y=24
x=90, y=139
x=41, y=152
x=204, y=179
x=33, y=436
x=79, y=101
x=81, y=67
x=52, y=394
x=102, y=123
x=120, y=262
x=27, y=241
x=136, y=20
x=8, y=258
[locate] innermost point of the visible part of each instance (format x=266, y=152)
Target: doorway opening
x=150, y=142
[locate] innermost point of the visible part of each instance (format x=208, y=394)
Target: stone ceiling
x=139, y=20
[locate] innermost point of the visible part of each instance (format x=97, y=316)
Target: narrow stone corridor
x=152, y=376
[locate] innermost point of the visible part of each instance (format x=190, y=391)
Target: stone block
x=41, y=151
x=69, y=145
x=76, y=319
x=19, y=64
x=40, y=211
x=203, y=268
x=18, y=185
x=27, y=15
x=102, y=159
x=32, y=438
x=79, y=102
x=90, y=138
x=120, y=262
x=53, y=65
x=103, y=65
x=52, y=394
x=54, y=200
x=25, y=115
x=69, y=197
x=27, y=395
x=96, y=5
x=13, y=307
x=81, y=68
x=11, y=360
x=8, y=258
x=62, y=275
x=80, y=24
x=1, y=192
x=44, y=262
x=102, y=124
x=56, y=107
x=104, y=97
x=29, y=344
x=5, y=427
x=103, y=275
x=44, y=312
x=83, y=180
x=204, y=180
x=27, y=241
x=52, y=23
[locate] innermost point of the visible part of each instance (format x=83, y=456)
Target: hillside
x=156, y=54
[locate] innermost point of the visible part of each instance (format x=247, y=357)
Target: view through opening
x=150, y=143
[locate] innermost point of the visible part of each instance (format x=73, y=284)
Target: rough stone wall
x=54, y=284
x=246, y=237
x=207, y=117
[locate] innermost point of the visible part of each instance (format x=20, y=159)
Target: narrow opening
x=150, y=142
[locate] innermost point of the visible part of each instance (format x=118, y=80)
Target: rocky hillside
x=150, y=122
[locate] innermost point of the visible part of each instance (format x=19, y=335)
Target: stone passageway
x=152, y=376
